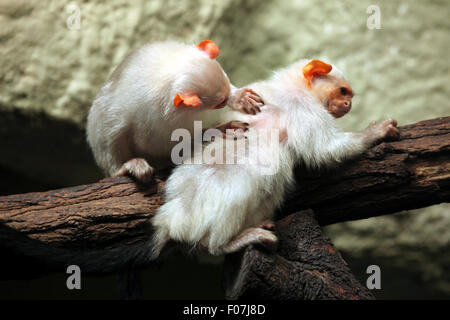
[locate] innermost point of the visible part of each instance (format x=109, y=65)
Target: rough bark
x=411, y=173
x=306, y=266
x=109, y=213
x=108, y=220
x=392, y=176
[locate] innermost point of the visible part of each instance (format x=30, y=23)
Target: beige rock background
x=50, y=74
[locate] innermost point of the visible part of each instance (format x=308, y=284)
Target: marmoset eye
x=343, y=91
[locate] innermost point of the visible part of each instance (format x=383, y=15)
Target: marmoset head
x=203, y=83
x=329, y=86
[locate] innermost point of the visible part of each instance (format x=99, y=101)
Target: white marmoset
x=158, y=88
x=222, y=208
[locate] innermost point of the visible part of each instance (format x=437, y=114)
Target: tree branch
x=411, y=173
x=306, y=266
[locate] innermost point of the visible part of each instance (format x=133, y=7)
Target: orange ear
x=315, y=68
x=189, y=100
x=210, y=48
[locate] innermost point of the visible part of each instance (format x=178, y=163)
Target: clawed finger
x=239, y=125
x=250, y=110
x=256, y=104
x=257, y=109
x=250, y=91
x=256, y=98
x=253, y=109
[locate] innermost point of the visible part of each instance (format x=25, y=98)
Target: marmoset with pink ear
x=221, y=206
x=158, y=88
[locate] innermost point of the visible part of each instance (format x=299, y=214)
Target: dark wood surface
x=413, y=172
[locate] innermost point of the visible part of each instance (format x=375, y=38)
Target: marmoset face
x=335, y=93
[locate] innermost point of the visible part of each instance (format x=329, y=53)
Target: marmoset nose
x=347, y=103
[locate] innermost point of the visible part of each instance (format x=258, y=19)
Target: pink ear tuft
x=177, y=100
x=210, y=47
x=189, y=100
x=315, y=68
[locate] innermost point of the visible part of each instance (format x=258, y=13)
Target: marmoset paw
x=391, y=130
x=246, y=101
x=137, y=168
x=268, y=240
x=386, y=129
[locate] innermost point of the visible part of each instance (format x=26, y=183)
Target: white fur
x=134, y=115
x=210, y=204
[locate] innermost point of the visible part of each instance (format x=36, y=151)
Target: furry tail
x=159, y=240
